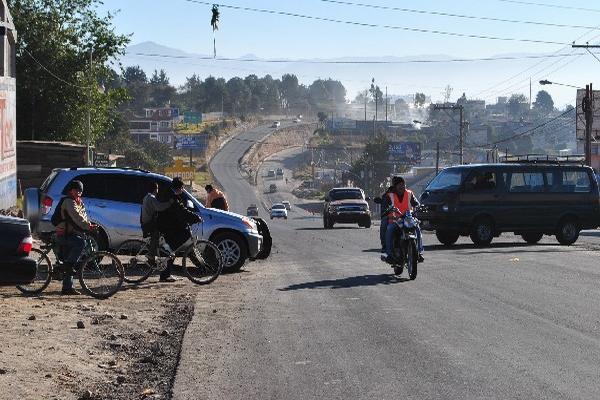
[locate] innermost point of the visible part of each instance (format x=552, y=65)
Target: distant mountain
x=402, y=75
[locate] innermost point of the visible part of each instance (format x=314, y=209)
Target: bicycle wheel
x=133, y=255
x=203, y=262
x=101, y=274
x=43, y=274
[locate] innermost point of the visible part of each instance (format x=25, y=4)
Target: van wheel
x=233, y=249
x=567, y=232
x=532, y=237
x=482, y=232
x=447, y=238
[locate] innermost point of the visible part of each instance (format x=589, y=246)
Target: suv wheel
x=482, y=232
x=447, y=238
x=233, y=249
x=567, y=232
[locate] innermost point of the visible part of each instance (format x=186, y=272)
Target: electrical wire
x=463, y=16
x=371, y=25
x=531, y=3
x=52, y=74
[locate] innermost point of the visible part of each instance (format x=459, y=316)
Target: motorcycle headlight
x=445, y=208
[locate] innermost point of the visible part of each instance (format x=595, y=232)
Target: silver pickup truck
x=113, y=198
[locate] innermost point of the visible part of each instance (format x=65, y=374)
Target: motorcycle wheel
x=411, y=261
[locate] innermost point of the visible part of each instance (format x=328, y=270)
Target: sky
x=185, y=25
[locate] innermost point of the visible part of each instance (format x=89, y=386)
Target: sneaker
x=70, y=292
x=387, y=259
x=421, y=258
x=168, y=279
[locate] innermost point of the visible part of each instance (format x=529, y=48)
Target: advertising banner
x=194, y=142
x=404, y=152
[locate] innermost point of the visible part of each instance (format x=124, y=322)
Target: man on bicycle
x=69, y=232
x=150, y=209
x=174, y=223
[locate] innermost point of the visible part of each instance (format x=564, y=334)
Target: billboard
x=404, y=152
x=192, y=118
x=8, y=159
x=580, y=115
x=193, y=142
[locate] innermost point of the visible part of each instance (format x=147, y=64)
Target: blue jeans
x=382, y=232
x=391, y=230
x=73, y=247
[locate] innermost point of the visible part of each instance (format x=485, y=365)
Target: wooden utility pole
x=461, y=130
x=437, y=158
x=587, y=105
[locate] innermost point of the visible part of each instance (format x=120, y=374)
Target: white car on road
x=278, y=211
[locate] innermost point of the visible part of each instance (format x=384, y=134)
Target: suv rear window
x=94, y=186
x=568, y=182
x=48, y=181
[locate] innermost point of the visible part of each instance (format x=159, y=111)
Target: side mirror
x=367, y=198
x=376, y=200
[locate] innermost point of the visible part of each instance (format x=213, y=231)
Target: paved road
x=323, y=318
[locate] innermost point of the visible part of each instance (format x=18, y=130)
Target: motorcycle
x=404, y=244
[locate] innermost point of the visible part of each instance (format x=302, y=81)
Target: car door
x=479, y=195
x=525, y=193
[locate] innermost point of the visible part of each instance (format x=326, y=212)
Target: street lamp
x=547, y=82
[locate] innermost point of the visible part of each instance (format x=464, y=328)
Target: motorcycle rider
x=174, y=221
x=384, y=218
x=404, y=200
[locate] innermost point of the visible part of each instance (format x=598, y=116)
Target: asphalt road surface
x=323, y=318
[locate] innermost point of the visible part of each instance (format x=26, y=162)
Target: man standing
x=174, y=223
x=404, y=200
x=150, y=209
x=216, y=199
x=69, y=232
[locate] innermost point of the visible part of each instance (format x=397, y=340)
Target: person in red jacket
x=216, y=199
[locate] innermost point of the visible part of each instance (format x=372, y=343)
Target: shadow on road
x=316, y=228
x=354, y=281
x=590, y=234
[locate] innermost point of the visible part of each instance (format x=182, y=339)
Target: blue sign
x=404, y=152
x=194, y=142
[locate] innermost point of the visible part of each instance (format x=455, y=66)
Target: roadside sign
x=404, y=152
x=186, y=173
x=194, y=142
x=101, y=160
x=192, y=118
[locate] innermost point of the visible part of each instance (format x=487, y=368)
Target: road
x=324, y=318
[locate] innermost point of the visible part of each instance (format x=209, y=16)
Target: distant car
x=279, y=172
x=252, y=211
x=287, y=205
x=16, y=268
x=276, y=124
x=278, y=210
x=272, y=188
x=271, y=173
x=296, y=120
x=346, y=205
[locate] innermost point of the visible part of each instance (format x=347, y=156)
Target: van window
x=449, y=179
x=526, y=182
x=481, y=181
x=569, y=182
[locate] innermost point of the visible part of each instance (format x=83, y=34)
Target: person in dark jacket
x=385, y=204
x=174, y=223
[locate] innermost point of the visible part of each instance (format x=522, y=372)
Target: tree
x=161, y=91
x=136, y=83
x=372, y=167
x=326, y=94
x=289, y=90
x=543, y=102
x=56, y=85
x=238, y=95
x=516, y=104
x=420, y=99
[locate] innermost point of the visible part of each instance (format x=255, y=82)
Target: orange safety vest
x=403, y=205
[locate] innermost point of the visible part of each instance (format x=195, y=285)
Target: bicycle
x=202, y=260
x=100, y=273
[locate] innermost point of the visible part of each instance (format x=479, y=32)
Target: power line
x=52, y=74
x=531, y=3
x=370, y=25
x=446, y=14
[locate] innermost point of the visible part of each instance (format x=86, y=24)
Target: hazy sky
x=186, y=25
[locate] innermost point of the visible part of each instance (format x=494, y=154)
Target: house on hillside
x=8, y=132
x=156, y=124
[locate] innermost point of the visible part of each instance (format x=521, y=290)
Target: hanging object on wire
x=214, y=22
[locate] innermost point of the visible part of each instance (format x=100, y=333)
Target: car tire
x=233, y=249
x=532, y=237
x=366, y=224
x=567, y=232
x=447, y=238
x=482, y=232
x=327, y=224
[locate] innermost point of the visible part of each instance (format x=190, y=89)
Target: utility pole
x=89, y=114
x=587, y=105
x=437, y=158
x=386, y=104
x=366, y=97
x=461, y=130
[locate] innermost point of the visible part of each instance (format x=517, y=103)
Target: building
x=157, y=124
x=8, y=132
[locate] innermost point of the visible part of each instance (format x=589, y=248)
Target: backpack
x=57, y=215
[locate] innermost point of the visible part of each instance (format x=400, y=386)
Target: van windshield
x=449, y=179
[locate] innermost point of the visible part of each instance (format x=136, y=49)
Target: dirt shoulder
x=128, y=347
